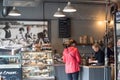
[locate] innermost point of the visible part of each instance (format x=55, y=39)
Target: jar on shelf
x=81, y=40
x=85, y=39
x=91, y=40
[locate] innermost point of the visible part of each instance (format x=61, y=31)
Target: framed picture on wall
x=23, y=31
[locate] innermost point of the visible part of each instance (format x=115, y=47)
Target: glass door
x=117, y=46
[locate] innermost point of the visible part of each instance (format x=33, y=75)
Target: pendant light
x=69, y=8
x=59, y=13
x=14, y=12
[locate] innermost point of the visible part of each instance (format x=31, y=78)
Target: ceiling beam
x=77, y=2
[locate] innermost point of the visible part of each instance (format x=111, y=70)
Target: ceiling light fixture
x=14, y=12
x=69, y=8
x=59, y=13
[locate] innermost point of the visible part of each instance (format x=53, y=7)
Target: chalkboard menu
x=11, y=74
x=64, y=27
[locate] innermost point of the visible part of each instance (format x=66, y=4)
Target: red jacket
x=71, y=58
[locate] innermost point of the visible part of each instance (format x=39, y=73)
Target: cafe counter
x=86, y=72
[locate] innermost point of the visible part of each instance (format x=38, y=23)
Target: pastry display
x=37, y=64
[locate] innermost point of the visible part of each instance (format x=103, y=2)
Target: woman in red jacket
x=71, y=58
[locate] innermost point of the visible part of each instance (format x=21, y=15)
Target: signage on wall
x=18, y=33
x=11, y=74
x=64, y=27
x=117, y=16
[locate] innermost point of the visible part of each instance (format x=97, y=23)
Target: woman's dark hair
x=21, y=29
x=96, y=45
x=71, y=42
x=7, y=26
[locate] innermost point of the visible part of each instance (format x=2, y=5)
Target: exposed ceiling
x=32, y=3
x=83, y=0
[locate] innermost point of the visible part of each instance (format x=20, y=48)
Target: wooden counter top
x=82, y=66
x=93, y=66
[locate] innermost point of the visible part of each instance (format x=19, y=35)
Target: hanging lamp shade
x=69, y=8
x=14, y=12
x=59, y=13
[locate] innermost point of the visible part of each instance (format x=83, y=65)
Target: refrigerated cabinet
x=10, y=64
x=37, y=65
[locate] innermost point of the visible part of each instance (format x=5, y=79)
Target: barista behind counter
x=98, y=56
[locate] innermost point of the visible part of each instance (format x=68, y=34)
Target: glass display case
x=117, y=46
x=10, y=64
x=37, y=65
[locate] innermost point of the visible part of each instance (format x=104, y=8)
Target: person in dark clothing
x=110, y=50
x=42, y=35
x=110, y=53
x=7, y=31
x=28, y=35
x=99, y=55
